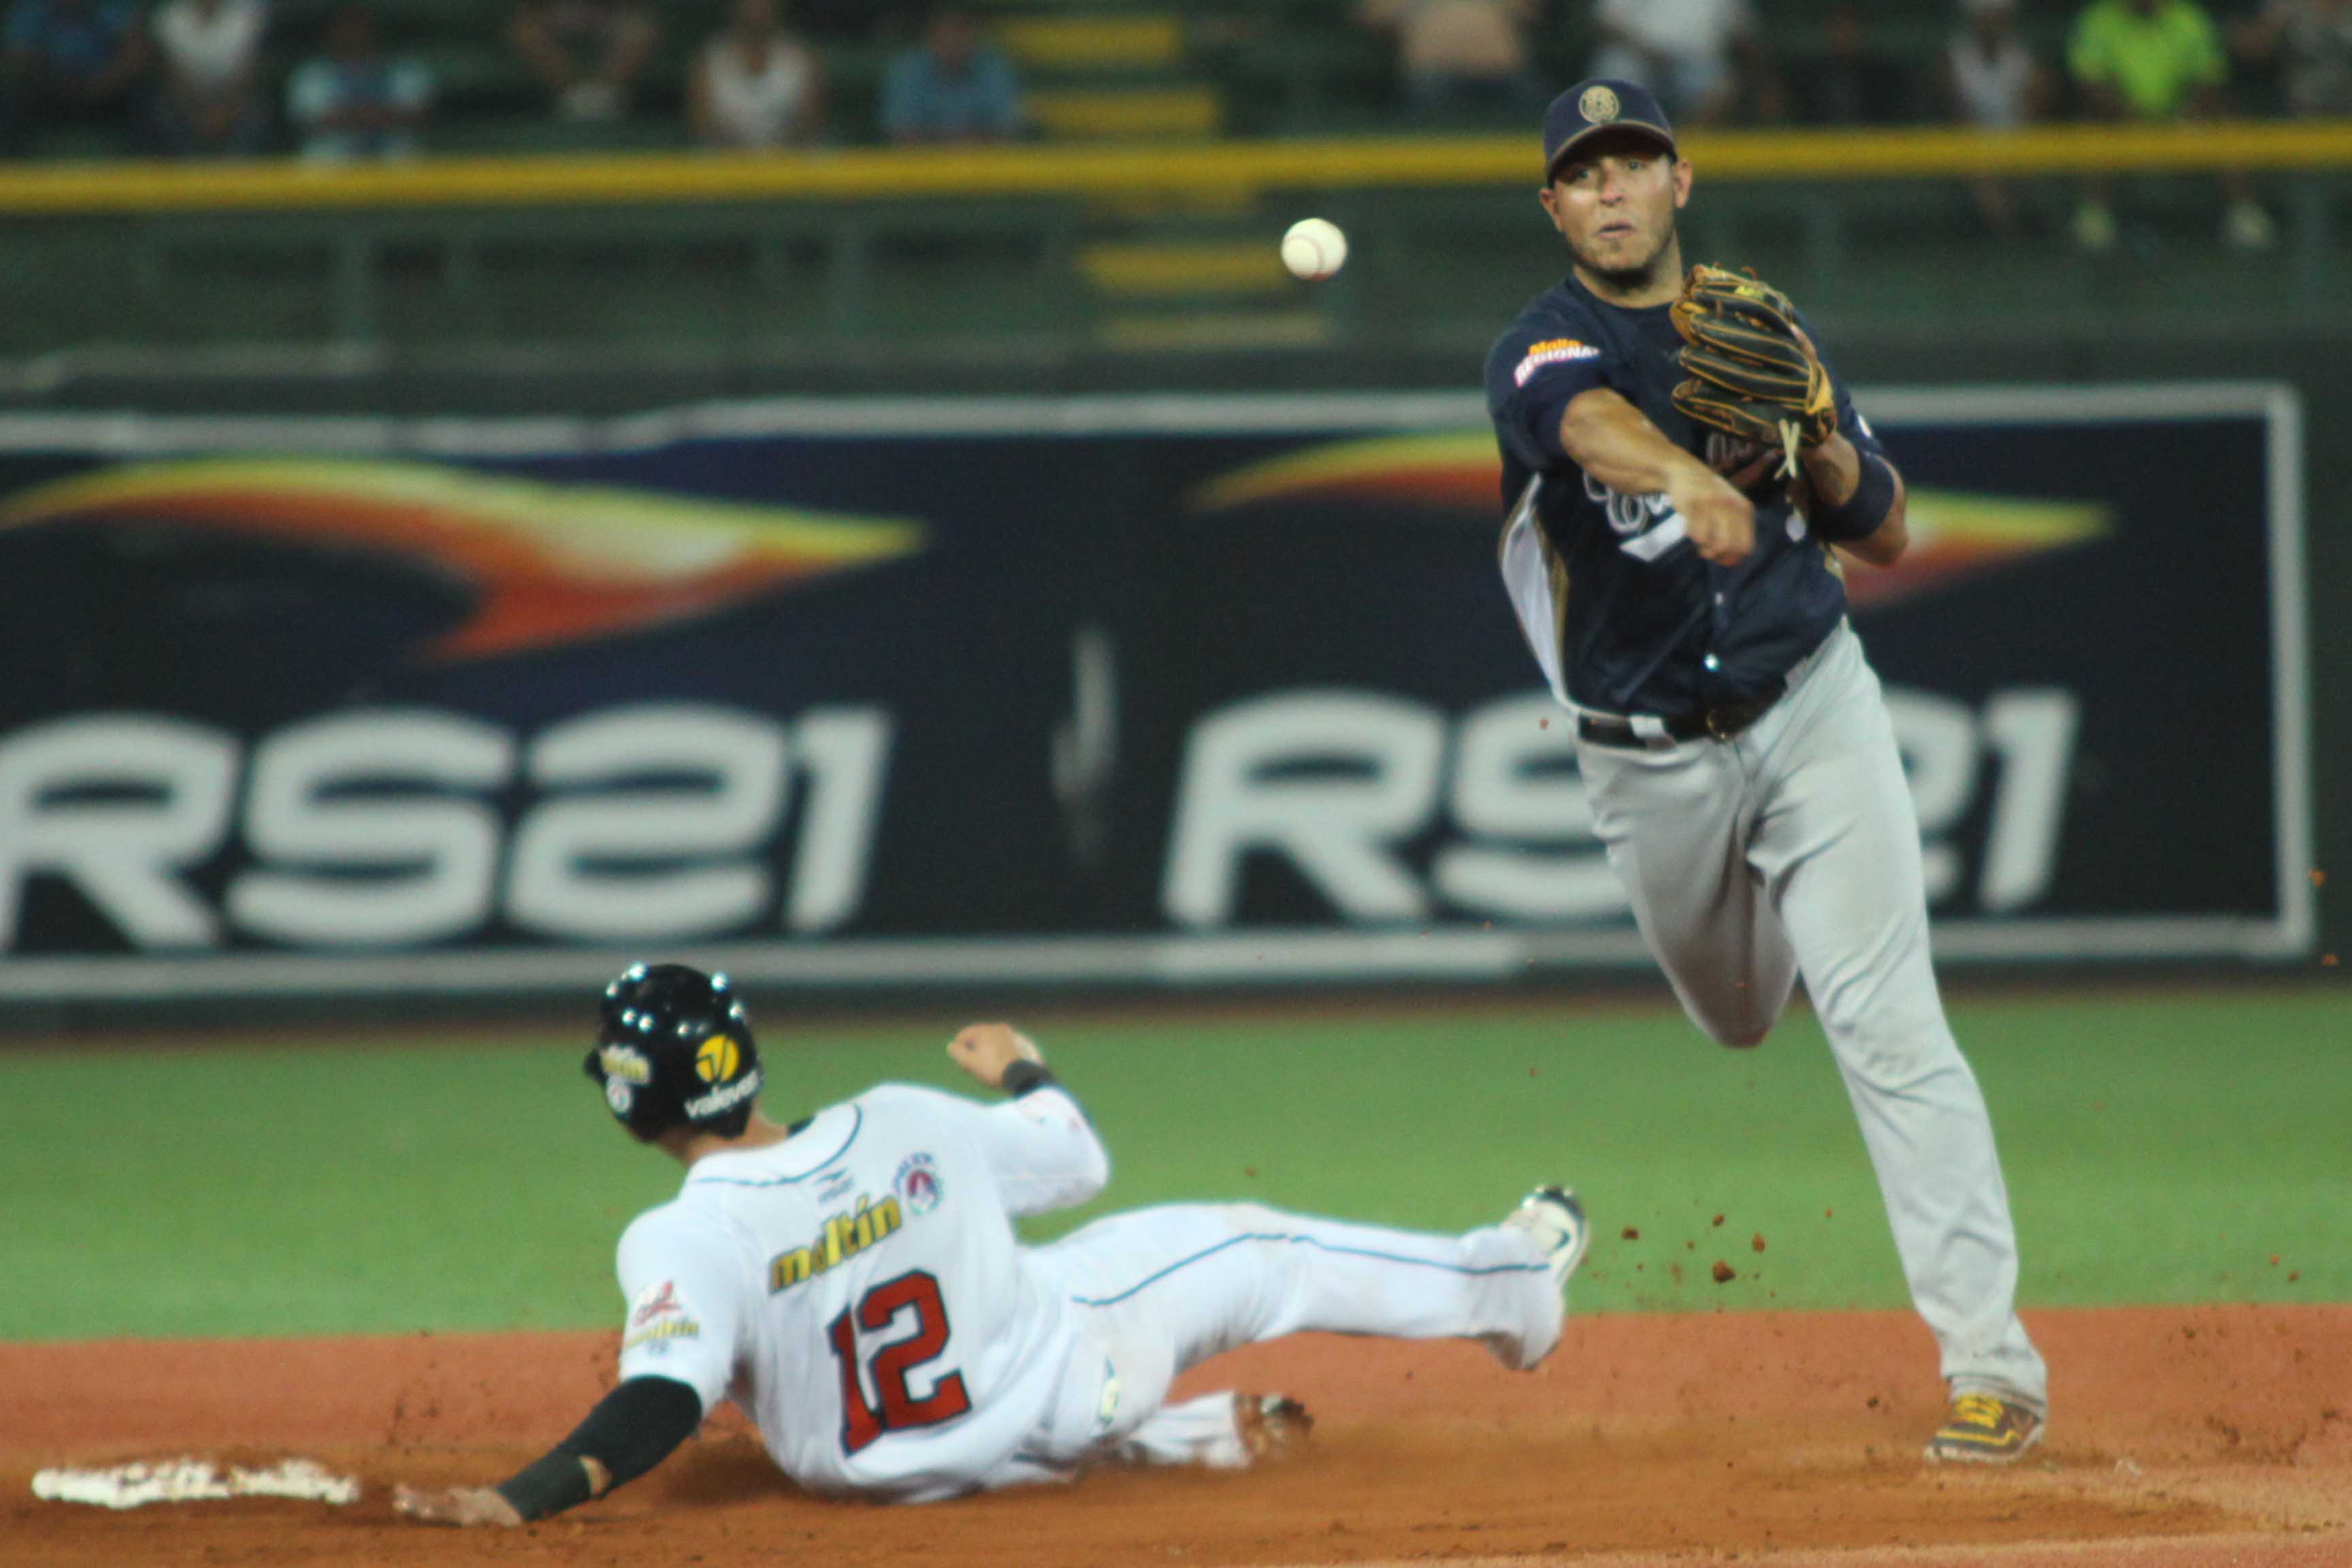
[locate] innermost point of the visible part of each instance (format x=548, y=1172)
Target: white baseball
x=1314, y=248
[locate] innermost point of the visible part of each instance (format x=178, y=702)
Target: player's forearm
x=1834, y=467
x=1858, y=501
x=632, y=1429
x=1050, y=1156
x=1614, y=442
x=1885, y=544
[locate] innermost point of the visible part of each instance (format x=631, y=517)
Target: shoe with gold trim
x=1985, y=1429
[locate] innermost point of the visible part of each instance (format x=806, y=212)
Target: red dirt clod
x=1716, y=1222
x=1724, y=1272
x=1634, y=1233
x=1757, y=1241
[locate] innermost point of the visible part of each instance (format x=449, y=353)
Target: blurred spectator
x=1991, y=81
x=2147, y=59
x=210, y=101
x=70, y=61
x=951, y=86
x=351, y=103
x=2154, y=60
x=1849, y=81
x=2311, y=40
x=1704, y=59
x=588, y=54
x=756, y=85
x=1458, y=55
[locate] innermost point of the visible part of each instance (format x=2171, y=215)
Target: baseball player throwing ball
x=1678, y=461
x=852, y=1282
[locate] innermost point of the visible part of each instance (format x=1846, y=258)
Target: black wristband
x=636, y=1427
x=632, y=1429
x=1027, y=1077
x=1860, y=514
x=547, y=1486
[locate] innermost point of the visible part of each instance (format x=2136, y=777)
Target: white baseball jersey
x=861, y=1281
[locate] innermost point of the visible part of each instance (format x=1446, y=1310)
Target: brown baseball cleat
x=1985, y=1429
x=1271, y=1425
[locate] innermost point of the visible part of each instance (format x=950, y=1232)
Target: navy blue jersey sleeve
x=1535, y=370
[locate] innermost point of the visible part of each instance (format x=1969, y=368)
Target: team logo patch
x=1598, y=105
x=719, y=1060
x=656, y=1301
x=919, y=1184
x=619, y=1096
x=658, y=1316
x=1553, y=350
x=627, y=1065
x=661, y=1333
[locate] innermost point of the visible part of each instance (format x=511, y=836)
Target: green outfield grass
x=2159, y=1148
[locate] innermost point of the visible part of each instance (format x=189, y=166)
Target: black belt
x=1719, y=723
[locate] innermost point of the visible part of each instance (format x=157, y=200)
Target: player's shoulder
x=1557, y=327
x=911, y=1102
x=1559, y=309
x=689, y=1222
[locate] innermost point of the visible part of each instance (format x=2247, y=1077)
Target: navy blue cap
x=1598, y=104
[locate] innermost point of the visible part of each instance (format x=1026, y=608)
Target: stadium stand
x=649, y=243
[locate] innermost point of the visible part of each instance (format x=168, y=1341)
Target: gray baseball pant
x=1794, y=848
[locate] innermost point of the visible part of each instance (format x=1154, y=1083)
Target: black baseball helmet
x=674, y=1048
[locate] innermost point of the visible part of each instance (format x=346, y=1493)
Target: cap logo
x=1598, y=105
x=719, y=1060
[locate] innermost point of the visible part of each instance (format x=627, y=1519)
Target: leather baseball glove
x=1753, y=374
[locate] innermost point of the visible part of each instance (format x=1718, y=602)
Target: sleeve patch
x=659, y=1314
x=1550, y=352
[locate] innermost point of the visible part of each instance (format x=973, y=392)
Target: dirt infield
x=2187, y=1435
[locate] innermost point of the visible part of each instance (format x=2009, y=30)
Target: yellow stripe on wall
x=1221, y=168
x=1143, y=268
x=1136, y=114
x=1092, y=43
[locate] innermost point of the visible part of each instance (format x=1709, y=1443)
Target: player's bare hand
x=454, y=1505
x=1721, y=522
x=985, y=1050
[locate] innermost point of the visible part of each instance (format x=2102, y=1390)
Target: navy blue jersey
x=1649, y=626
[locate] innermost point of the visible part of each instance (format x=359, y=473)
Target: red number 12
x=862, y=1425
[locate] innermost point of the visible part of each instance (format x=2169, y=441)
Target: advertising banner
x=1161, y=690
